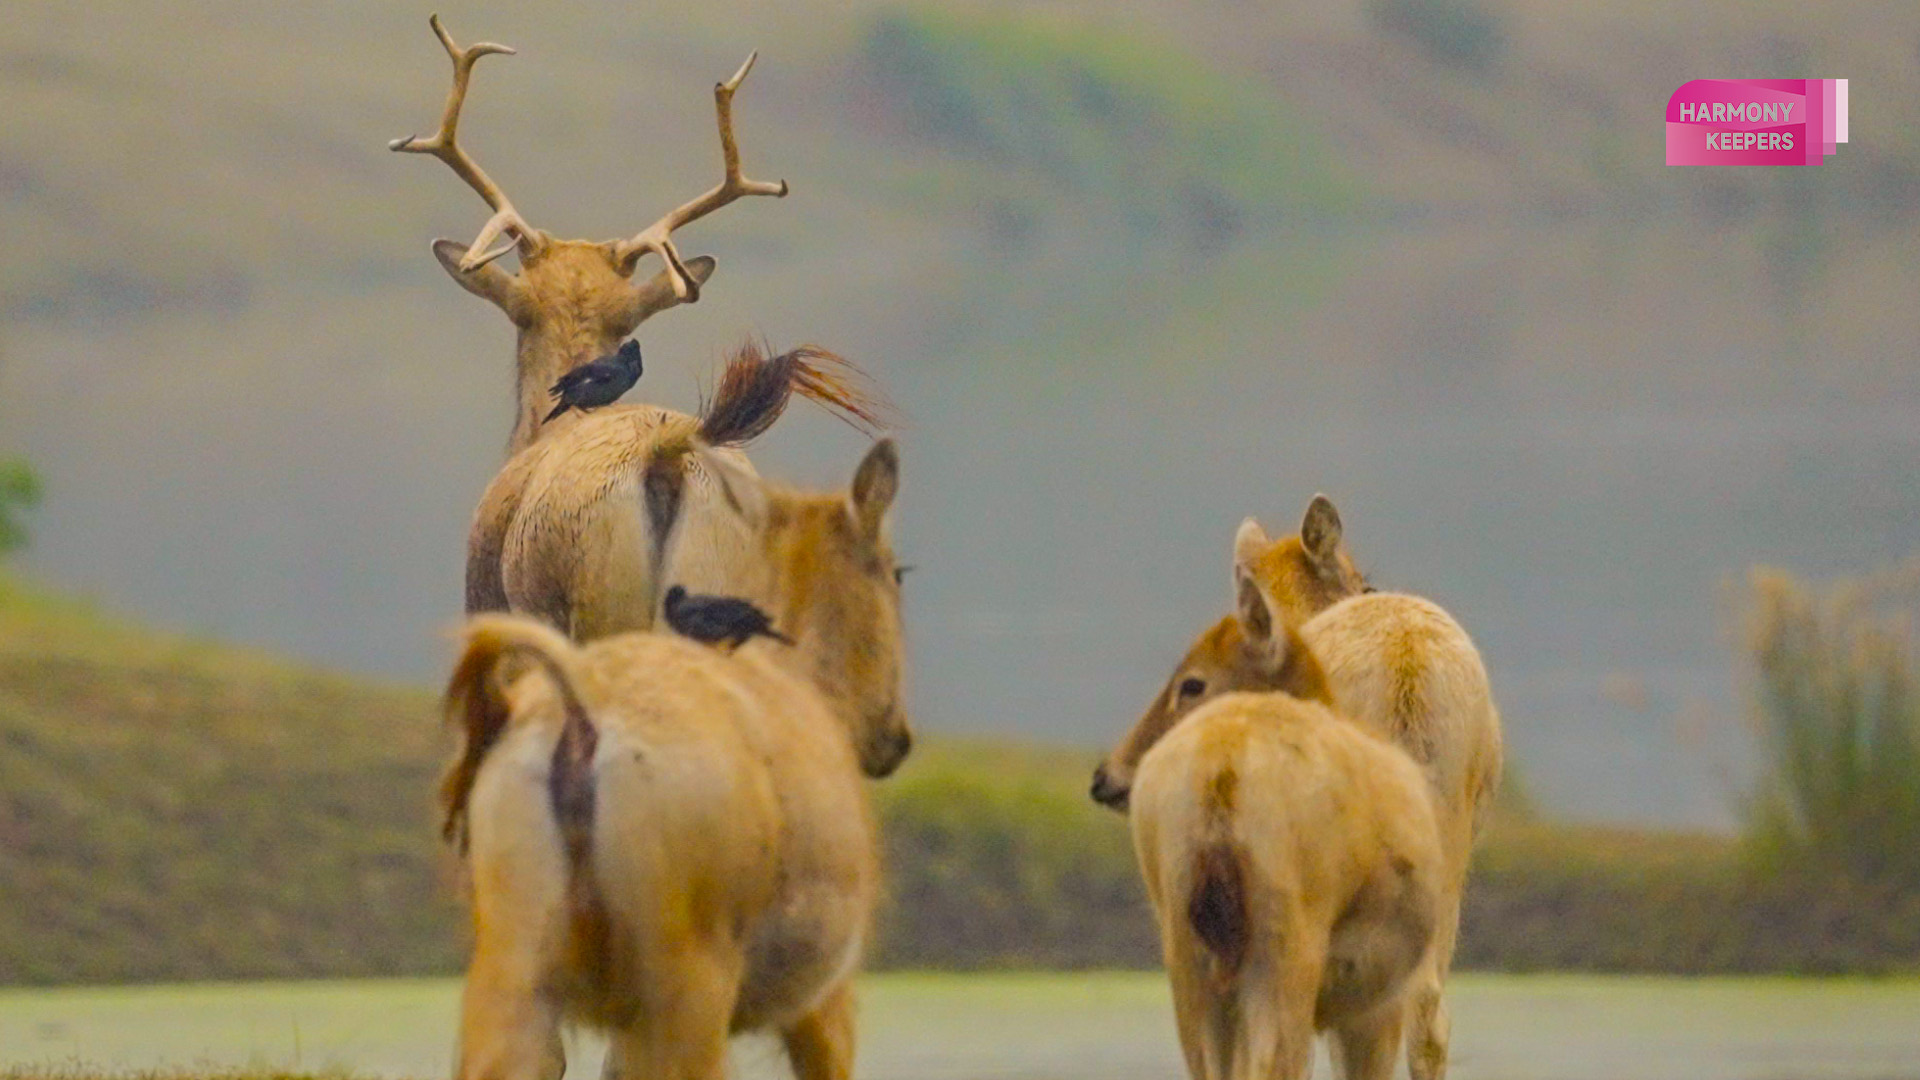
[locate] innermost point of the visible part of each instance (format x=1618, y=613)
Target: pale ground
x=1041, y=1026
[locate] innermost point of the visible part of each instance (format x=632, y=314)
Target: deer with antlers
x=575, y=527
x=573, y=300
x=673, y=844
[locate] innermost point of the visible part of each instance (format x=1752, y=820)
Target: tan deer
x=572, y=300
x=1293, y=864
x=671, y=843
x=575, y=528
x=1398, y=665
x=584, y=527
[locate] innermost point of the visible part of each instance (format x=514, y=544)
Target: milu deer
x=559, y=531
x=585, y=527
x=671, y=843
x=1399, y=666
x=1293, y=864
x=572, y=300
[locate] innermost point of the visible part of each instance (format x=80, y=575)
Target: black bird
x=715, y=619
x=599, y=382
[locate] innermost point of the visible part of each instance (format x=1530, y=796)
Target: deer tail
x=1217, y=904
x=476, y=706
x=755, y=387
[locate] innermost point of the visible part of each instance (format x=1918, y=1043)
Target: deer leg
x=1276, y=1033
x=509, y=1028
x=1366, y=1047
x=1429, y=1028
x=681, y=1033
x=820, y=1044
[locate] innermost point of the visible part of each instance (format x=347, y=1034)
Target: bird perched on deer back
x=599, y=382
x=713, y=620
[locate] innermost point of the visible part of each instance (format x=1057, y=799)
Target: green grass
x=1126, y=116
x=1062, y=1026
x=996, y=857
x=19, y=491
x=176, y=809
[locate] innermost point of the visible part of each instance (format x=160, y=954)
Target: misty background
x=1132, y=278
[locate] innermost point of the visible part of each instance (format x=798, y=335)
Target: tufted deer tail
x=476, y=706
x=755, y=388
x=753, y=392
x=1217, y=905
x=596, y=975
x=1217, y=915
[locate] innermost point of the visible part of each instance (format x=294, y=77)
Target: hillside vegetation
x=1419, y=253
x=1199, y=125
x=174, y=809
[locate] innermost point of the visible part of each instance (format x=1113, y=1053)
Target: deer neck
x=807, y=660
x=546, y=351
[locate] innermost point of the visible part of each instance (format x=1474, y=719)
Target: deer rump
x=582, y=528
x=1293, y=862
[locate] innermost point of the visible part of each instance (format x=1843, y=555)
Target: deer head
x=572, y=300
x=1306, y=573
x=1257, y=649
x=837, y=591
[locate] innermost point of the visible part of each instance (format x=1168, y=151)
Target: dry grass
x=1836, y=707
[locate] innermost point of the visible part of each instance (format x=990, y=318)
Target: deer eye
x=1192, y=687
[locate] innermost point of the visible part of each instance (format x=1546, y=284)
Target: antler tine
x=658, y=237
x=444, y=144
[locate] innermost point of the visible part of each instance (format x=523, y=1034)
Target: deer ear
x=875, y=483
x=1320, y=530
x=1249, y=542
x=743, y=489
x=656, y=294
x=1259, y=619
x=487, y=282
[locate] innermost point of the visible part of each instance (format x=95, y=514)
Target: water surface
x=1044, y=1027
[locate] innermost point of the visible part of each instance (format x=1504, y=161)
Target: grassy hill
x=1418, y=253
x=174, y=809
x=145, y=184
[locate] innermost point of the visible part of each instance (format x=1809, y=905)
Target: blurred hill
x=1133, y=277
x=176, y=809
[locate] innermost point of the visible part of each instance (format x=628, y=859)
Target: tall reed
x=1835, y=699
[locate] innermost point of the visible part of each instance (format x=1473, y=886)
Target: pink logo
x=1756, y=121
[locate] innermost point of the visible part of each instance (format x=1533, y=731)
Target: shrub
x=1180, y=144
x=1836, y=701
x=19, y=490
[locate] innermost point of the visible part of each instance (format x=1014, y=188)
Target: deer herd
x=670, y=840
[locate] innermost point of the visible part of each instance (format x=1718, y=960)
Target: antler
x=658, y=237
x=445, y=146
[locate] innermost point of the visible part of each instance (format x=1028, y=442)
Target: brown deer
x=1254, y=648
x=1396, y=664
x=585, y=527
x=572, y=300
x=575, y=528
x=671, y=843
x=1293, y=863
